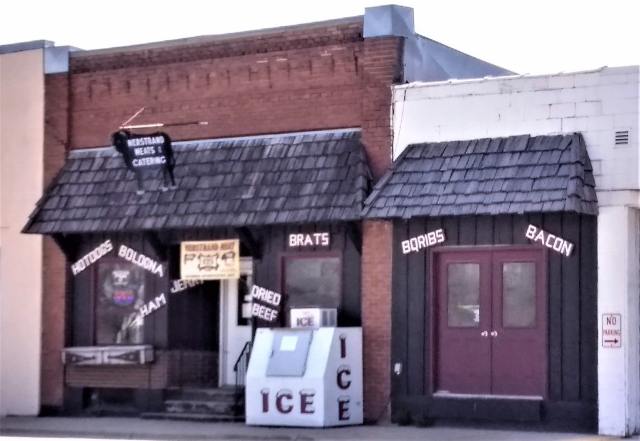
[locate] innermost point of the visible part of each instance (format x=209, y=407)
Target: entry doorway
x=235, y=327
x=490, y=323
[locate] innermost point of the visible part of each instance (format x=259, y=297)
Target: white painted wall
x=21, y=185
x=597, y=104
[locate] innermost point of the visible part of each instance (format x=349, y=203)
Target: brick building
x=297, y=131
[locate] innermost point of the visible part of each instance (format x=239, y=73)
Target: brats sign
x=556, y=243
x=210, y=260
x=309, y=240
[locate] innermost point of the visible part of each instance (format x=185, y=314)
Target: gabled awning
x=513, y=175
x=294, y=178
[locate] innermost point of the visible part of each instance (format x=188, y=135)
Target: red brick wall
x=53, y=268
x=271, y=84
x=382, y=66
x=376, y=317
x=302, y=80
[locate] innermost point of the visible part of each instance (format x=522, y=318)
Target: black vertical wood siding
x=191, y=318
x=84, y=285
x=572, y=317
x=268, y=270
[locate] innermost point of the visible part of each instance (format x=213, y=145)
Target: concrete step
x=200, y=407
x=191, y=417
x=201, y=394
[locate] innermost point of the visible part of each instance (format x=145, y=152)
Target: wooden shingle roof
x=512, y=175
x=295, y=178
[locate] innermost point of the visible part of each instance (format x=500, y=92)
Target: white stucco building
x=22, y=124
x=603, y=106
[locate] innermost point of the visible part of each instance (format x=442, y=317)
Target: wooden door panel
x=463, y=319
x=519, y=325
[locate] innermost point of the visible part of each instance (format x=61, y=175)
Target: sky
x=525, y=36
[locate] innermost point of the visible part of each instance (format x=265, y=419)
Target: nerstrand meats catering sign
x=210, y=260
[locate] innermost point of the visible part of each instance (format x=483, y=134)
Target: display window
x=312, y=281
x=120, y=291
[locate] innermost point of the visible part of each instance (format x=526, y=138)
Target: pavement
x=17, y=428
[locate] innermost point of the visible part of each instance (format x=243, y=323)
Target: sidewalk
x=134, y=428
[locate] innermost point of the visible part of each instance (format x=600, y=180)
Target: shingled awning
x=295, y=178
x=513, y=175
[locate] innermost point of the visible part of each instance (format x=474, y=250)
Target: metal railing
x=240, y=368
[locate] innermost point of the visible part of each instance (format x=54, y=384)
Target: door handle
x=484, y=333
x=494, y=333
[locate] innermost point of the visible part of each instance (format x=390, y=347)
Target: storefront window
x=245, y=283
x=463, y=288
x=312, y=282
x=518, y=294
x=120, y=292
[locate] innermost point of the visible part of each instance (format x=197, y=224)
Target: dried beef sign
x=210, y=260
x=556, y=243
x=269, y=310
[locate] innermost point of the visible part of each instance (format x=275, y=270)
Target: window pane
x=518, y=294
x=312, y=282
x=120, y=293
x=463, y=293
x=244, y=299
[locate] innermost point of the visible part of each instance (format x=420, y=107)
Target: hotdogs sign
x=124, y=251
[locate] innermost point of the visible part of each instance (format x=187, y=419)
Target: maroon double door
x=491, y=323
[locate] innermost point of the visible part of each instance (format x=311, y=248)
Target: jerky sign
x=210, y=260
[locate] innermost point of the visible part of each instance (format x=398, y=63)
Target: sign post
x=210, y=260
x=611, y=330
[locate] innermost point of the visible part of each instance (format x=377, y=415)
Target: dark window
x=244, y=299
x=312, y=281
x=120, y=291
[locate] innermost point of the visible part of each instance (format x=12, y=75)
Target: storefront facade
x=293, y=200
x=192, y=333
x=502, y=198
